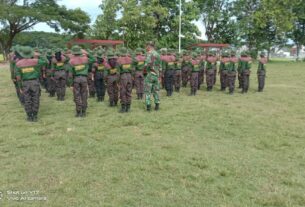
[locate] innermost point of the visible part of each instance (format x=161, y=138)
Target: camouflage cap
x=151, y=43
x=163, y=51
x=76, y=50
x=99, y=53
x=263, y=54
x=26, y=52
x=123, y=51
x=111, y=54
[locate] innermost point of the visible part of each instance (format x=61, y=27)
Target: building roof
x=208, y=45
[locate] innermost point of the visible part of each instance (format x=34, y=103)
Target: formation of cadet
x=92, y=73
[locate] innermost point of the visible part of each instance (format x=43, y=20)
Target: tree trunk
x=298, y=51
x=268, y=53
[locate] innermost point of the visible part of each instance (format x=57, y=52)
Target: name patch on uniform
x=101, y=67
x=27, y=70
x=79, y=67
x=113, y=71
x=59, y=64
x=141, y=63
x=196, y=66
x=126, y=66
x=171, y=63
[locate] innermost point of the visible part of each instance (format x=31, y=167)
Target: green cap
x=26, y=52
x=111, y=54
x=58, y=50
x=243, y=53
x=99, y=54
x=225, y=53
x=123, y=51
x=194, y=54
x=163, y=51
x=76, y=50
x=263, y=54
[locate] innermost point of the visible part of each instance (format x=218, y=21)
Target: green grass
x=1, y=58
x=209, y=150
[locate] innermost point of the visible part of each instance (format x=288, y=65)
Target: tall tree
x=298, y=31
x=17, y=16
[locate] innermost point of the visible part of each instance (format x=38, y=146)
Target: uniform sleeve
x=18, y=77
x=70, y=76
x=91, y=59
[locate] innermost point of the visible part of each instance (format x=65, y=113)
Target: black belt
x=30, y=79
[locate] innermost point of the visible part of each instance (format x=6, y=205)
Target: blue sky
x=91, y=7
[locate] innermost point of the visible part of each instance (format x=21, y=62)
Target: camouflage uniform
x=28, y=71
x=261, y=72
x=139, y=76
x=152, y=84
x=244, y=67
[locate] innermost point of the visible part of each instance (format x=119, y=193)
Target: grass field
x=209, y=150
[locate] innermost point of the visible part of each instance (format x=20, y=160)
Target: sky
x=93, y=10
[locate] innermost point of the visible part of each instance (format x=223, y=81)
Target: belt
x=81, y=75
x=30, y=79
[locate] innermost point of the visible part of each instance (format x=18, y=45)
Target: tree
x=298, y=31
x=16, y=17
x=106, y=24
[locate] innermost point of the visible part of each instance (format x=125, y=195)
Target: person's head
x=76, y=50
x=150, y=46
x=112, y=58
x=262, y=54
x=58, y=54
x=26, y=52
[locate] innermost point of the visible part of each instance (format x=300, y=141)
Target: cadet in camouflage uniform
x=139, y=76
x=125, y=65
x=186, y=68
x=13, y=58
x=112, y=78
x=223, y=70
x=177, y=77
x=202, y=59
x=244, y=67
x=232, y=72
x=152, y=84
x=98, y=70
x=51, y=85
x=91, y=83
x=261, y=72
x=210, y=70
x=195, y=63
x=58, y=65
x=163, y=56
x=28, y=71
x=168, y=66
x=78, y=74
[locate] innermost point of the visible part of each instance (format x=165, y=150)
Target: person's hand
x=21, y=91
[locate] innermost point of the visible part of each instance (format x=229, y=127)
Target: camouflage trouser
x=231, y=81
x=215, y=74
x=185, y=76
x=177, y=80
x=31, y=93
x=245, y=80
x=51, y=85
x=200, y=77
x=91, y=85
x=139, y=82
x=112, y=88
x=125, y=88
x=19, y=95
x=152, y=86
x=60, y=81
x=80, y=92
x=194, y=81
x=261, y=80
x=223, y=79
x=169, y=80
x=240, y=80
x=210, y=73
x=100, y=84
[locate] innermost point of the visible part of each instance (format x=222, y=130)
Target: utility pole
x=180, y=11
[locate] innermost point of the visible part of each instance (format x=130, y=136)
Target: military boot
x=138, y=96
x=83, y=113
x=157, y=107
x=148, y=108
x=128, y=107
x=78, y=113
x=142, y=96
x=29, y=117
x=123, y=108
x=34, y=117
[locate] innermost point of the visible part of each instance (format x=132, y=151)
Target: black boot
x=115, y=103
x=138, y=96
x=142, y=95
x=157, y=107
x=167, y=93
x=123, y=108
x=111, y=103
x=29, y=117
x=148, y=108
x=128, y=107
x=83, y=113
x=78, y=114
x=34, y=117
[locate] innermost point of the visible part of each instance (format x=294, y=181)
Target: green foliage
x=209, y=150
x=141, y=21
x=42, y=39
x=16, y=17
